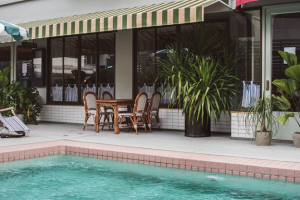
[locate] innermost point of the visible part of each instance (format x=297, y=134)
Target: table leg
x=116, y=119
x=97, y=119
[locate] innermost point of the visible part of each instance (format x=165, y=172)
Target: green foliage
x=3, y=83
x=288, y=101
x=283, y=119
x=212, y=44
x=259, y=116
x=294, y=73
x=203, y=85
x=202, y=71
x=23, y=100
x=202, y=42
x=287, y=85
x=289, y=58
x=282, y=102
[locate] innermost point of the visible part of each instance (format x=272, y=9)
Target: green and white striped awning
x=177, y=12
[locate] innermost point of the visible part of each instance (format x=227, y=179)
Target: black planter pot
x=196, y=129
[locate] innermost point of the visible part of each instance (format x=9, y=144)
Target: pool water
x=71, y=177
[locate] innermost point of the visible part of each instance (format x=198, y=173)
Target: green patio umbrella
x=8, y=30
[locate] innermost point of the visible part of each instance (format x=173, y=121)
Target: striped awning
x=177, y=12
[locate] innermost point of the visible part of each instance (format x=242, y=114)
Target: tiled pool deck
x=257, y=168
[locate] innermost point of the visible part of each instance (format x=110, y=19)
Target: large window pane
x=37, y=63
x=70, y=54
x=145, y=70
x=106, y=67
x=88, y=63
x=285, y=37
x=249, y=67
x=57, y=69
x=5, y=57
x=71, y=69
x=166, y=37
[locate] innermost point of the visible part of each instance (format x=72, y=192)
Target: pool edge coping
x=257, y=168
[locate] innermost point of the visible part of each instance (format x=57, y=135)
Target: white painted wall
x=124, y=73
x=238, y=128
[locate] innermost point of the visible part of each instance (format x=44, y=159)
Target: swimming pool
x=72, y=177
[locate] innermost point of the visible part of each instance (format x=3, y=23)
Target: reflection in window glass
x=57, y=69
x=106, y=68
x=71, y=69
x=152, y=45
x=249, y=69
x=166, y=37
x=37, y=64
x=68, y=83
x=146, y=61
x=88, y=63
x=285, y=37
x=5, y=58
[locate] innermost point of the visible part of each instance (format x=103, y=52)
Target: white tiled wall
x=169, y=118
x=224, y=124
x=238, y=129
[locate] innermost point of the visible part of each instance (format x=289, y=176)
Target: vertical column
x=124, y=64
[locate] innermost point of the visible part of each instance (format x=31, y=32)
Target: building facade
x=114, y=45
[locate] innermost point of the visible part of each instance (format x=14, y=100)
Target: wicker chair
x=90, y=110
x=138, y=112
x=153, y=109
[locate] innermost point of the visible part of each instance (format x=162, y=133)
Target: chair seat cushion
x=153, y=112
x=93, y=112
x=125, y=114
x=106, y=113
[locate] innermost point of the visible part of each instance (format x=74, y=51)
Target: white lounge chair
x=13, y=125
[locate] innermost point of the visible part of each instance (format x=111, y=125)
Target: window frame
x=78, y=82
x=178, y=31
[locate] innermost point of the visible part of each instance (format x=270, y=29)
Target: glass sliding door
x=248, y=49
x=285, y=37
x=281, y=32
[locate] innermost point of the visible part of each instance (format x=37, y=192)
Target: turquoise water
x=71, y=177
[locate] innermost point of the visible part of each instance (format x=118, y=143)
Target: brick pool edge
x=257, y=168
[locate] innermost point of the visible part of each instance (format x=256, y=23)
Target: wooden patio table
x=115, y=103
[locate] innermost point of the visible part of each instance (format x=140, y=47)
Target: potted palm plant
x=290, y=90
x=260, y=120
x=201, y=75
x=204, y=88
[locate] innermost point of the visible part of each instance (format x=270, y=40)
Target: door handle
x=267, y=85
